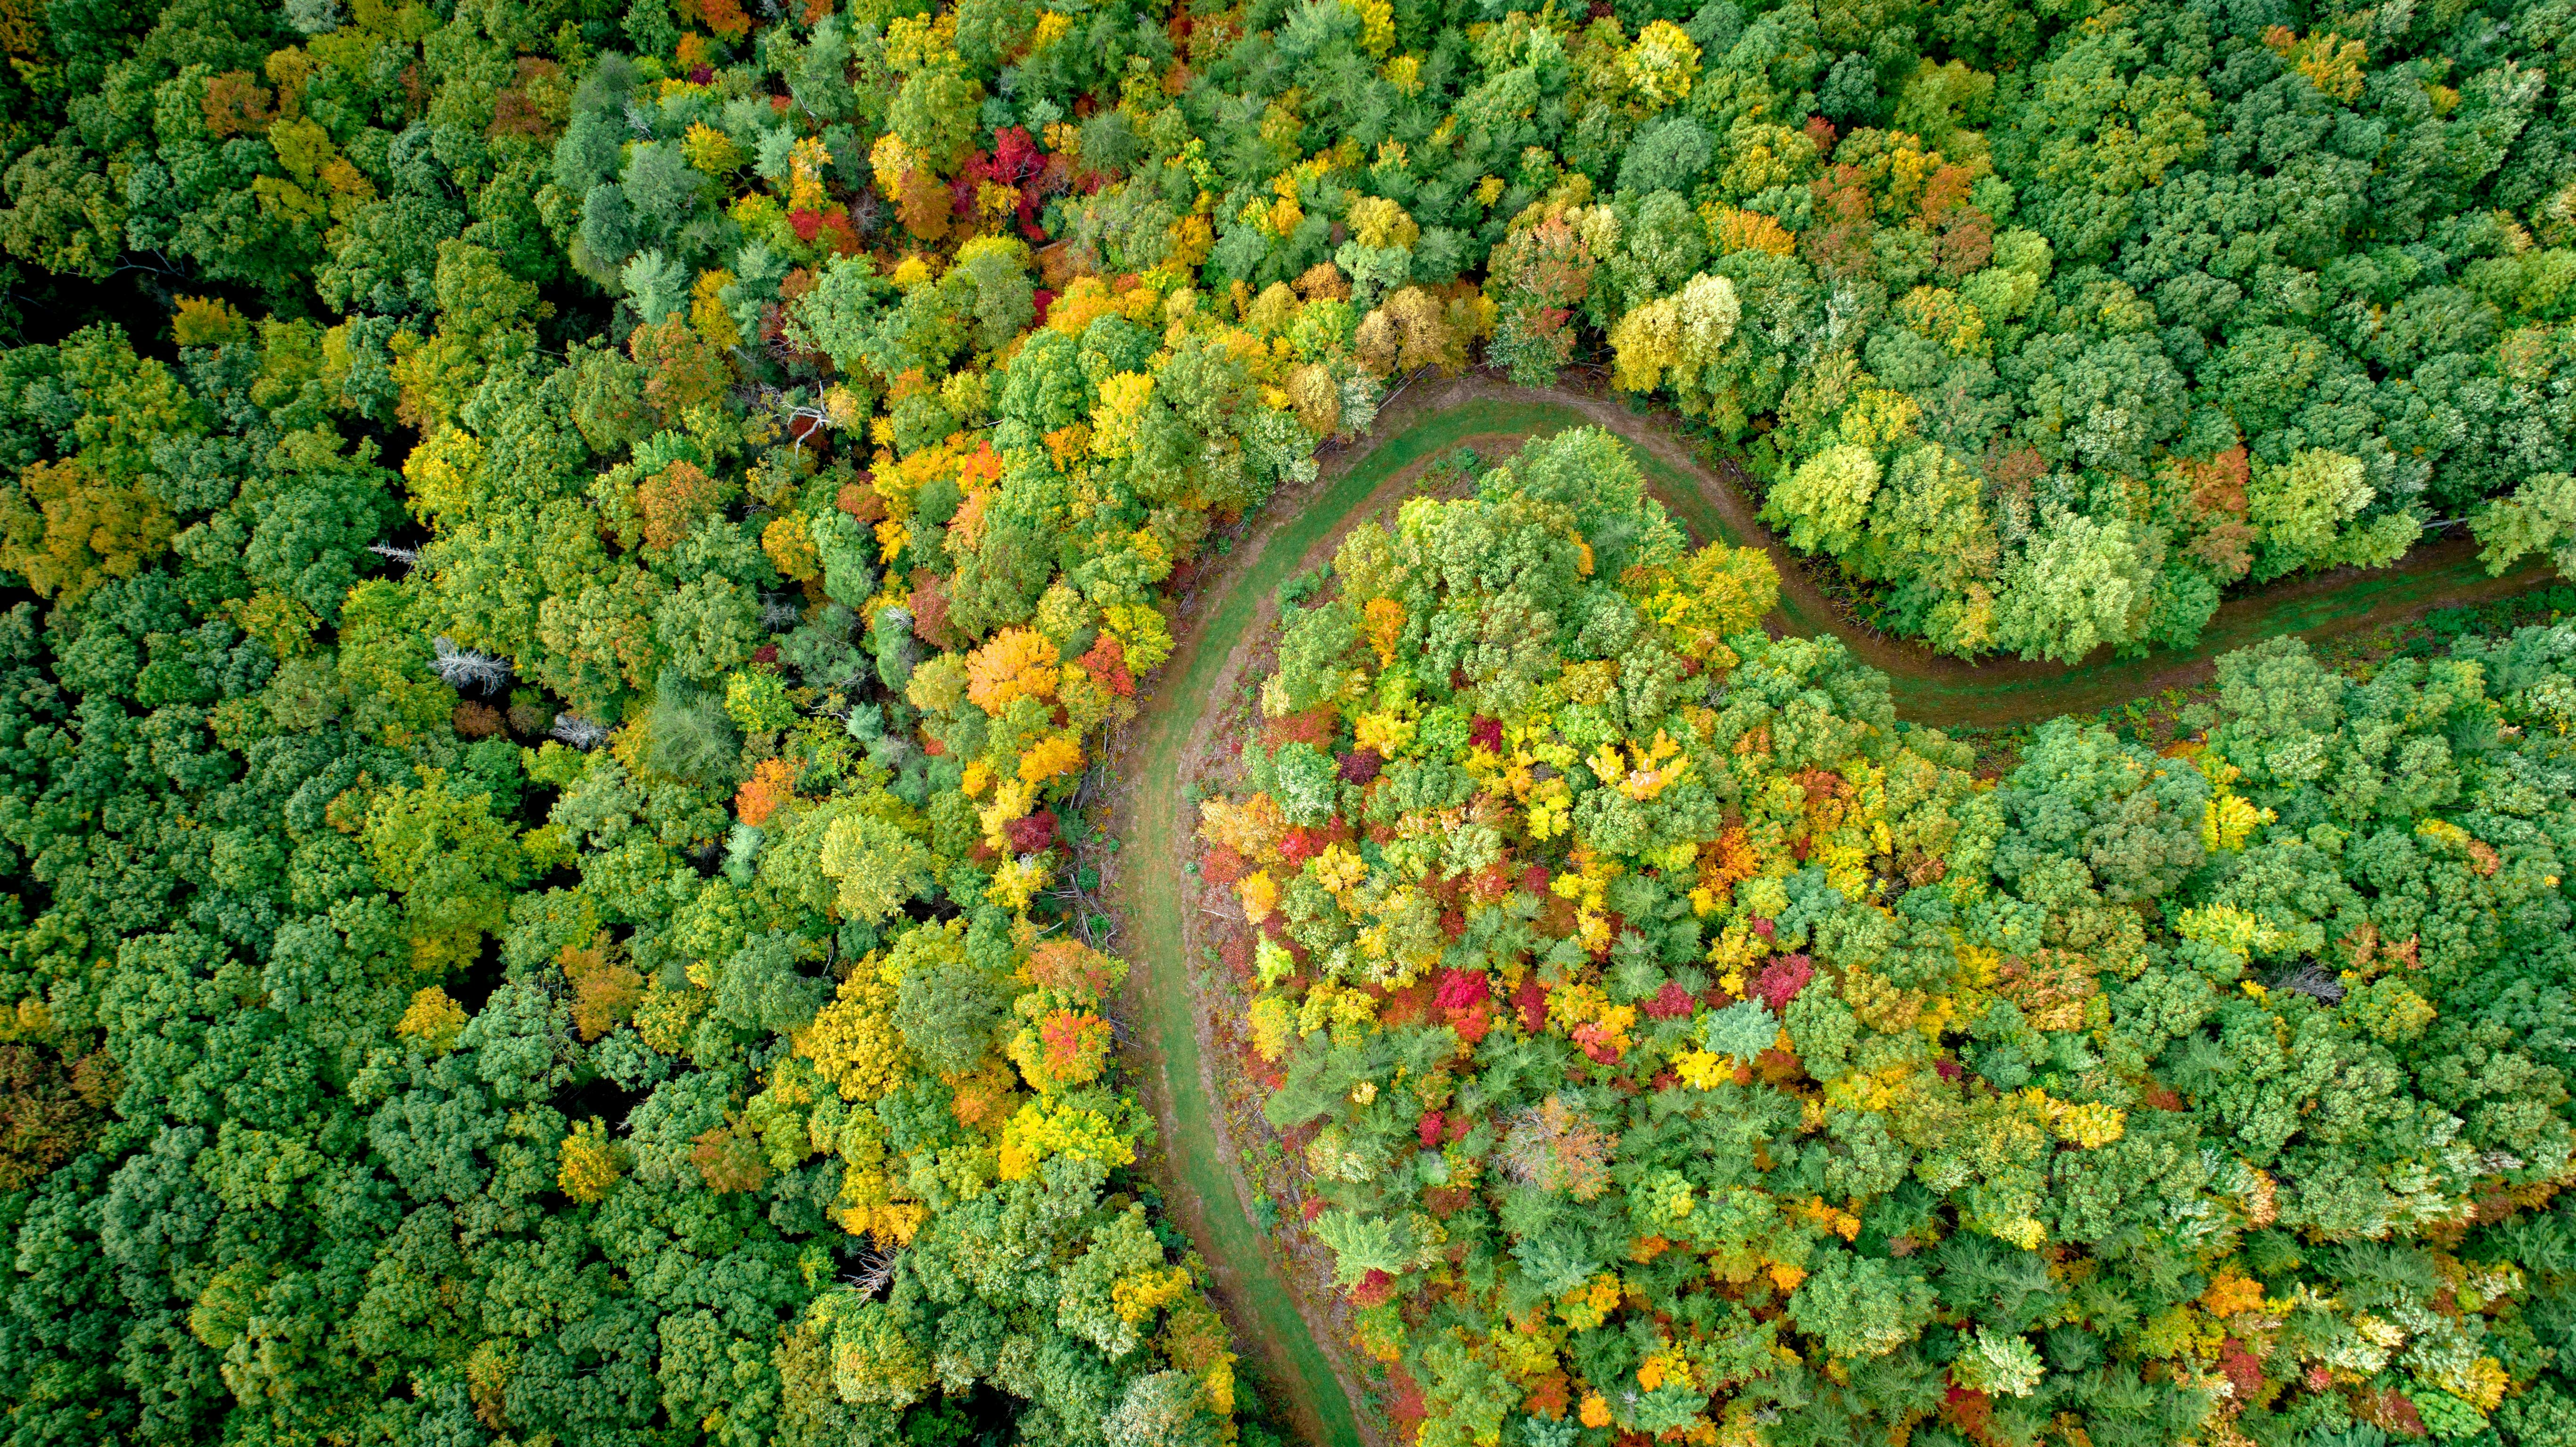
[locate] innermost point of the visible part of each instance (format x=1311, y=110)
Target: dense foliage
x=1677, y=1044
x=2046, y=324
x=568, y=568
x=567, y=939
x=2053, y=326
x=373, y=1076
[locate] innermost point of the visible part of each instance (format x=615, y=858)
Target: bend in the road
x=1929, y=688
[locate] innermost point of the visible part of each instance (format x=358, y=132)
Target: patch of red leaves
x=1460, y=989
x=1403, y=1403
x=1314, y=726
x=1670, y=1003
x=1968, y=1410
x=2241, y=1368
x=1032, y=833
x=1302, y=843
x=1106, y=662
x=1408, y=1006
x=1782, y=979
x=1375, y=1289
x=1531, y=1001
x=1235, y=953
x=1221, y=866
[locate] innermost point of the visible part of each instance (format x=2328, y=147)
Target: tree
x=1860, y=1306
x=2079, y=584
x=68, y=529
x=2540, y=516
x=874, y=1357
x=2301, y=507
x=1825, y=501
x=951, y=1015
x=707, y=627
x=450, y=861
x=996, y=268
x=1017, y=663
x=1163, y=1409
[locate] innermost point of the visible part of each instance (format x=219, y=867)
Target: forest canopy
x=1676, y=1043
x=568, y=571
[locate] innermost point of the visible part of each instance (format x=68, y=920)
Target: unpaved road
x=1286, y=1332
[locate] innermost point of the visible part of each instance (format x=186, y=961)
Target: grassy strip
x=1940, y=691
x=1155, y=849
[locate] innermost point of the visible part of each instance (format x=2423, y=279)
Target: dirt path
x=1282, y=1319
x=1279, y=1326
x=1933, y=688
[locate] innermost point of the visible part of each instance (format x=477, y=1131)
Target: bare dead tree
x=876, y=1270
x=463, y=668
x=579, y=732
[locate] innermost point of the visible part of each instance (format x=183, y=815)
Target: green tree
x=451, y=862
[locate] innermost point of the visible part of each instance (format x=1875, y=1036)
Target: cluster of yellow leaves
x=867, y=1207
x=1136, y=1298
x=1017, y=882
x=664, y=1016
x=1942, y=316
x=1382, y=619
x=1016, y=663
x=853, y=1041
x=1142, y=630
x=1841, y=1223
x=1714, y=592
x=2331, y=63
x=1662, y=64
x=1337, y=869
x=2089, y=1124
x=587, y=1162
x=1250, y=827
x=69, y=528
x=1272, y=1020
x=791, y=549
x=1089, y=298
x=432, y=1019
x=1645, y=770
x=1038, y=1131
x=1346, y=1012
x=1588, y=885
x=2231, y=1292
x=1259, y=893
x=2228, y=820
x=1703, y=1069
x=2226, y=927
x=1055, y=754
x=1588, y=1305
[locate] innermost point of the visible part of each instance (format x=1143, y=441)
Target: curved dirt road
x=1288, y=1332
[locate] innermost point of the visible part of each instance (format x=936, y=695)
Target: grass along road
x=1276, y=1322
